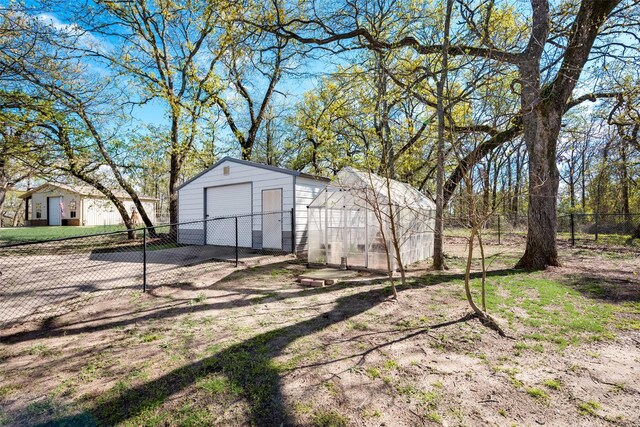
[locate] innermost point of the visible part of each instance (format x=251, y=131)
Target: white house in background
x=249, y=190
x=60, y=204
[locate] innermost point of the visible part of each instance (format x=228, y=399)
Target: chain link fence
x=496, y=229
x=42, y=279
x=576, y=228
x=606, y=229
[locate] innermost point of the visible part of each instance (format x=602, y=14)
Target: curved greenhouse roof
x=370, y=189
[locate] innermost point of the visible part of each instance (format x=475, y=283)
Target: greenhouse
x=353, y=221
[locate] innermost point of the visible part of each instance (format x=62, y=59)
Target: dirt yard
x=252, y=347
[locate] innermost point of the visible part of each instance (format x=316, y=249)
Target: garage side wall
x=191, y=199
x=101, y=211
x=306, y=190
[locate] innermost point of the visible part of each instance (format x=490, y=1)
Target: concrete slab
x=328, y=275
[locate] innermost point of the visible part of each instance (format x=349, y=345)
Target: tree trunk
x=174, y=168
x=3, y=192
x=508, y=200
x=516, y=191
x=173, y=189
x=16, y=215
x=269, y=137
x=572, y=186
x=494, y=185
x=114, y=168
x=542, y=116
x=438, y=240
x=624, y=179
x=109, y=195
x=4, y=185
x=541, y=134
x=315, y=146
x=73, y=169
x=486, y=184
x=583, y=172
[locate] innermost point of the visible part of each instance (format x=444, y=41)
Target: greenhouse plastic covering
x=352, y=222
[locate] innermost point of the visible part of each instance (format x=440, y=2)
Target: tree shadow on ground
x=247, y=296
x=249, y=366
x=607, y=289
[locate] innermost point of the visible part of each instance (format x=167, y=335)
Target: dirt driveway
x=36, y=286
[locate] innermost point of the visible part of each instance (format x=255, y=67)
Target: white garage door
x=228, y=201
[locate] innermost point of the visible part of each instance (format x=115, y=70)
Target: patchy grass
x=43, y=350
x=373, y=373
x=331, y=418
x=537, y=394
x=217, y=384
x=559, y=313
x=552, y=383
x=605, y=240
x=150, y=337
x=588, y=408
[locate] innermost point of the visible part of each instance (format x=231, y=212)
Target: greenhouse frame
x=350, y=222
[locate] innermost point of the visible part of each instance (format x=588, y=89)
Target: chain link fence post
x=236, y=218
x=596, y=226
x=144, y=260
x=293, y=231
x=573, y=229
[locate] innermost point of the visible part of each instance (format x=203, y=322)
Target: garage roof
x=257, y=165
x=83, y=190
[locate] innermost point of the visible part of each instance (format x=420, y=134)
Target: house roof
x=372, y=186
x=83, y=190
x=257, y=165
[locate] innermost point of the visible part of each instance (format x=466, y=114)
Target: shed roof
x=83, y=190
x=257, y=165
x=369, y=185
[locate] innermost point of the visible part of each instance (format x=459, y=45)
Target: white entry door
x=229, y=201
x=272, y=219
x=53, y=211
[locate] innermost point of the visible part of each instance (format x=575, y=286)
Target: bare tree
x=245, y=67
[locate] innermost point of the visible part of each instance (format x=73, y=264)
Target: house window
x=38, y=210
x=72, y=209
x=226, y=170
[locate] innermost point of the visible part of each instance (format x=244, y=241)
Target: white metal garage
x=261, y=196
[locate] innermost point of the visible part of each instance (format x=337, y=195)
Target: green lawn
x=30, y=234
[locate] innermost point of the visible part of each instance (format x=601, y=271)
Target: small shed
x=60, y=204
x=350, y=222
x=263, y=197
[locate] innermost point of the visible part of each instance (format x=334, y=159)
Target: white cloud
x=85, y=39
